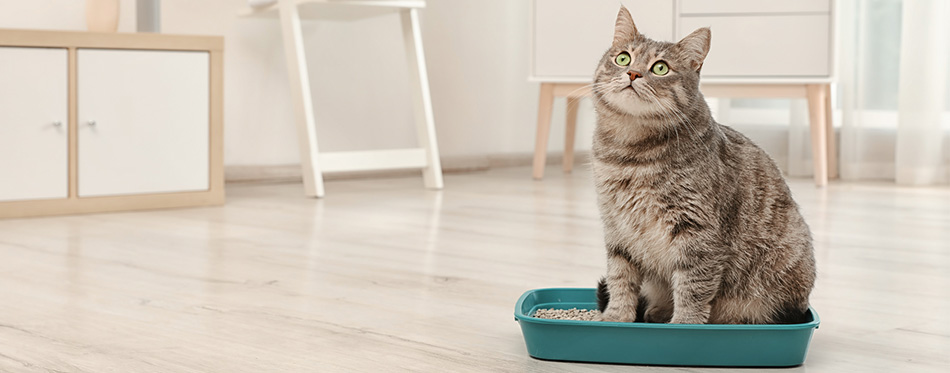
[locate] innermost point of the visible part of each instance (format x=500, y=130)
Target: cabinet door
x=33, y=124
x=143, y=121
x=570, y=36
x=765, y=46
x=706, y=7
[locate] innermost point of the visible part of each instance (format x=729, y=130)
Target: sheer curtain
x=894, y=85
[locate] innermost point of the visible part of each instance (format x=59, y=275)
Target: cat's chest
x=638, y=217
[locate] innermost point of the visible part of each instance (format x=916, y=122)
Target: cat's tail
x=792, y=315
x=602, y=295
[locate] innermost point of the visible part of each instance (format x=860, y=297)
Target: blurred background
x=478, y=54
x=393, y=272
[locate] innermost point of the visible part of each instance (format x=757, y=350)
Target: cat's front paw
x=618, y=315
x=689, y=319
x=695, y=315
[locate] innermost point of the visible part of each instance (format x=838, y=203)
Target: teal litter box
x=655, y=344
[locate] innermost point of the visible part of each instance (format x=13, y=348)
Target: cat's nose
x=634, y=75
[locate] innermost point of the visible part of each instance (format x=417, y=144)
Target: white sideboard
x=760, y=48
x=94, y=122
x=754, y=40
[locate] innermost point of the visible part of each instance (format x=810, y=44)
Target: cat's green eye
x=660, y=68
x=623, y=59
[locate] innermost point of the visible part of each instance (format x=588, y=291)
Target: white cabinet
x=570, y=36
x=96, y=122
x=725, y=7
x=33, y=118
x=790, y=46
x=143, y=122
x=752, y=40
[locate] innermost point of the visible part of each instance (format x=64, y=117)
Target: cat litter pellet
x=571, y=314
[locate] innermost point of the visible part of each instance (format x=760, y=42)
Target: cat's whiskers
x=670, y=121
x=597, y=89
x=685, y=122
x=601, y=87
x=673, y=120
x=689, y=126
x=593, y=87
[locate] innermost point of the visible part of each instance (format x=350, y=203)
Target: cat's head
x=643, y=77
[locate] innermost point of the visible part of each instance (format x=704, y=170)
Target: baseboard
x=450, y=164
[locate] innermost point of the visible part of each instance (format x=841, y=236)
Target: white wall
x=477, y=52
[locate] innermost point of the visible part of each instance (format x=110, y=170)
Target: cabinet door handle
x=91, y=123
x=57, y=124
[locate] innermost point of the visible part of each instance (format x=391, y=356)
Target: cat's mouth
x=635, y=93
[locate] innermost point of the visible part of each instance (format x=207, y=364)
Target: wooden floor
x=383, y=276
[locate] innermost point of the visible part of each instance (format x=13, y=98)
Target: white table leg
x=303, y=104
x=422, y=100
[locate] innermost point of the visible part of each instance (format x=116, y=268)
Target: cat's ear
x=695, y=46
x=624, y=31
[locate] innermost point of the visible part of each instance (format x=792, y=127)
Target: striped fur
x=699, y=223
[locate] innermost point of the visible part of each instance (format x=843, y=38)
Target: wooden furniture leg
x=545, y=104
x=422, y=99
x=817, y=114
x=570, y=132
x=830, y=135
x=818, y=96
x=303, y=104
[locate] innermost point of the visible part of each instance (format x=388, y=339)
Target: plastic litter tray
x=655, y=344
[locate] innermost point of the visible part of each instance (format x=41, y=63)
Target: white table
x=315, y=163
x=766, y=49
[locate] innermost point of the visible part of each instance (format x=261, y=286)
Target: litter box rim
x=520, y=315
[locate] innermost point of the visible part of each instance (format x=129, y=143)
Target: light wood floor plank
x=384, y=275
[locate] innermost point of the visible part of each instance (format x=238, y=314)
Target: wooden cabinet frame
x=72, y=41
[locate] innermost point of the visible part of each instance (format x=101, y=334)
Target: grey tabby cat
x=699, y=224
